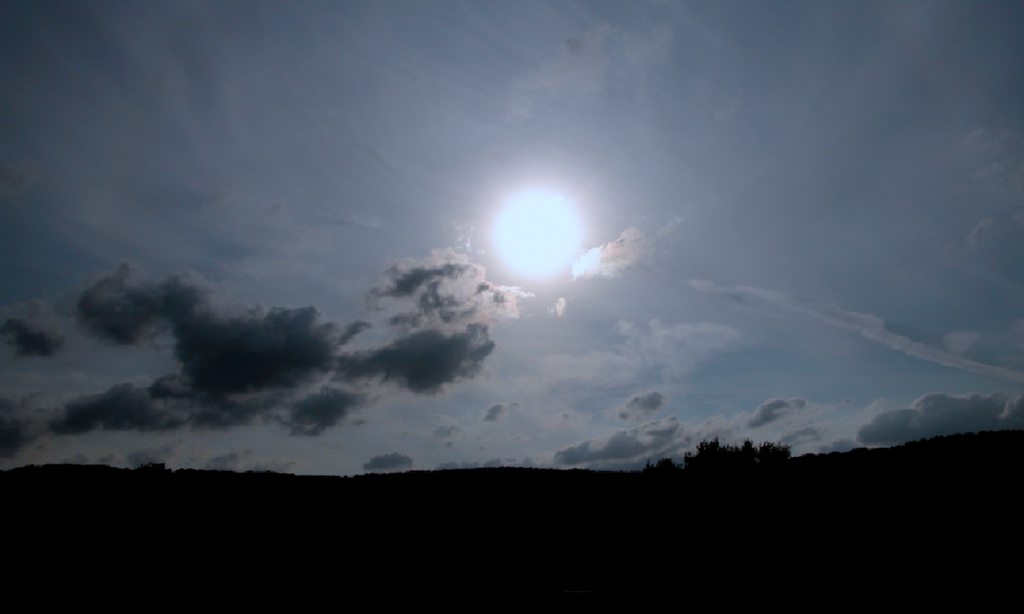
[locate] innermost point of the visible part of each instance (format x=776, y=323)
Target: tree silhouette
x=715, y=456
x=664, y=466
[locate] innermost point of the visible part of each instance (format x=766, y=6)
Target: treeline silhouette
x=746, y=516
x=717, y=457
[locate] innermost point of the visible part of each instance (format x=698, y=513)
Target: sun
x=538, y=233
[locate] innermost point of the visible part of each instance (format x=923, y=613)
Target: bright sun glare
x=538, y=233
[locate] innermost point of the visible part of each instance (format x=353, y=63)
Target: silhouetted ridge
x=531, y=528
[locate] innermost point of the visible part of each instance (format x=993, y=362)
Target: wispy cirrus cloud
x=868, y=326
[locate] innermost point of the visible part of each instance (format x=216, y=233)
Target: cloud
x=14, y=431
x=840, y=445
x=442, y=291
x=122, y=407
x=238, y=461
x=641, y=406
x=458, y=465
x=959, y=342
x=991, y=228
x=675, y=349
x=559, y=307
x=224, y=462
x=668, y=351
x=867, y=325
x=497, y=411
x=650, y=438
x=220, y=353
x=610, y=259
x=321, y=410
x=239, y=365
x=936, y=414
x=124, y=310
x=34, y=335
x=236, y=365
x=447, y=430
x=423, y=361
x=388, y=462
x=983, y=227
x=770, y=411
x=801, y=435
x=670, y=438
x=255, y=351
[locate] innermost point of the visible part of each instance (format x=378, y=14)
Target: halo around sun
x=538, y=233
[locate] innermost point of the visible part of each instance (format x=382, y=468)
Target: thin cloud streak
x=867, y=325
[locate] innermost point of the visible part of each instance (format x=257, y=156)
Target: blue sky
x=250, y=235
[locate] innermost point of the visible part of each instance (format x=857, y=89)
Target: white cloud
x=610, y=259
x=559, y=308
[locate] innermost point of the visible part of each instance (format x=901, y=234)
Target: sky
x=276, y=236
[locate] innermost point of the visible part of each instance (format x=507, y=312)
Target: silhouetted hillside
x=857, y=520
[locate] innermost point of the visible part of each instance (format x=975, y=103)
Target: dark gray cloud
x=497, y=411
x=243, y=461
x=322, y=410
x=171, y=403
x=31, y=337
x=423, y=361
x=650, y=438
x=225, y=358
x=388, y=462
x=432, y=301
x=938, y=414
x=122, y=309
x=122, y=407
x=224, y=462
x=407, y=282
x=14, y=432
x=770, y=411
x=641, y=406
x=280, y=349
x=219, y=353
x=352, y=330
x=447, y=430
x=801, y=435
x=243, y=365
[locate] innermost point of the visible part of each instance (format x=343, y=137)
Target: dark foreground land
x=931, y=522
